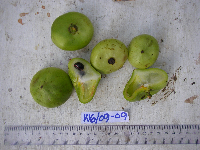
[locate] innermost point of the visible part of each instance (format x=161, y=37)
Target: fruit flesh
x=143, y=51
x=145, y=83
x=85, y=79
x=72, y=31
x=51, y=87
x=108, y=56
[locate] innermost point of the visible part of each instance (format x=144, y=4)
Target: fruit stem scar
x=73, y=29
x=111, y=61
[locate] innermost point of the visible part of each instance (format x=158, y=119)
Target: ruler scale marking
x=102, y=135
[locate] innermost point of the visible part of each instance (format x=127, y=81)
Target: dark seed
x=142, y=51
x=79, y=66
x=111, y=61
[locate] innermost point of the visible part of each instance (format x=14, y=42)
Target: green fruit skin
x=143, y=51
x=145, y=83
x=64, y=39
x=85, y=85
x=106, y=49
x=51, y=87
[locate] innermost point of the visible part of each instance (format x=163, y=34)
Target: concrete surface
x=26, y=47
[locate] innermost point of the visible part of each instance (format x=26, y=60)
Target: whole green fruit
x=72, y=31
x=143, y=51
x=51, y=87
x=108, y=56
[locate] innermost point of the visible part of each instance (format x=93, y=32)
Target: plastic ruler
x=102, y=135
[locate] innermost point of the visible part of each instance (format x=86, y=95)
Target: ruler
x=102, y=135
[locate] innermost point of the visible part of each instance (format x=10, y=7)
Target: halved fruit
x=144, y=83
x=84, y=78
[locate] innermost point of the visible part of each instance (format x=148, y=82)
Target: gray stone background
x=26, y=47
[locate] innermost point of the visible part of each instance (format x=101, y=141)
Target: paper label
x=104, y=117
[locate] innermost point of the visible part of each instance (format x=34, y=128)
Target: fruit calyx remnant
x=73, y=29
x=111, y=61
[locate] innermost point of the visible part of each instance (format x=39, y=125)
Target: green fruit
x=144, y=83
x=108, y=56
x=84, y=78
x=72, y=31
x=143, y=51
x=51, y=87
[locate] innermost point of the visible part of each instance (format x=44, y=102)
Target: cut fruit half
x=144, y=83
x=84, y=78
